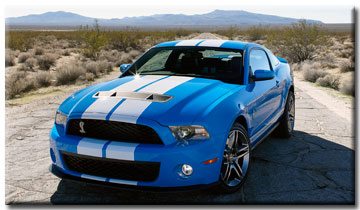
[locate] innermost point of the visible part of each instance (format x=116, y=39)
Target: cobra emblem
x=81, y=124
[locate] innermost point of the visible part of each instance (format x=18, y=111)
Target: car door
x=267, y=97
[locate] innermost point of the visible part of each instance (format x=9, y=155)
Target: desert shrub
x=39, y=51
x=348, y=87
x=46, y=61
x=17, y=83
x=330, y=81
x=92, y=67
x=22, y=67
x=65, y=52
x=43, y=79
x=312, y=71
x=89, y=76
x=18, y=40
x=23, y=57
x=94, y=41
x=256, y=32
x=9, y=59
x=298, y=42
x=344, y=53
x=347, y=65
x=104, y=67
x=328, y=61
x=69, y=73
x=30, y=62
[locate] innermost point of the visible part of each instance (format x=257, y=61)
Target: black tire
x=239, y=157
x=287, y=121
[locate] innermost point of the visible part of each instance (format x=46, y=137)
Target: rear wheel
x=236, y=160
x=286, y=126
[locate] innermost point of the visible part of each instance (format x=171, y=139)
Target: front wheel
x=236, y=160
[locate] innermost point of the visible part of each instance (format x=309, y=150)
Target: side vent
x=133, y=96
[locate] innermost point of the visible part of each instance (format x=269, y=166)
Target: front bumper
x=170, y=156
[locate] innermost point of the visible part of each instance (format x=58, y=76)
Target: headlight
x=193, y=132
x=60, y=118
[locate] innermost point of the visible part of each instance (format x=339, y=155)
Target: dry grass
x=43, y=79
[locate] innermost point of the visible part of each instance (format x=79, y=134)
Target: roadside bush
x=65, y=52
x=69, y=73
x=30, y=62
x=92, y=67
x=9, y=59
x=89, y=76
x=311, y=72
x=94, y=41
x=348, y=87
x=298, y=42
x=330, y=81
x=347, y=66
x=43, y=79
x=39, y=51
x=328, y=61
x=104, y=67
x=17, y=83
x=46, y=61
x=23, y=57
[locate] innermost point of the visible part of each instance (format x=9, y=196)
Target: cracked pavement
x=315, y=166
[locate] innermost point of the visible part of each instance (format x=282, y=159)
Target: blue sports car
x=184, y=114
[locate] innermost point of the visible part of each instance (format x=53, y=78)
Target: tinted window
x=259, y=60
x=214, y=63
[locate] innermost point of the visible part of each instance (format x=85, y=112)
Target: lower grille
x=113, y=131
x=111, y=168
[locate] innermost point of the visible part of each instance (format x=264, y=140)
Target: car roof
x=230, y=44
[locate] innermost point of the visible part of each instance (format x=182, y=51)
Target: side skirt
x=266, y=135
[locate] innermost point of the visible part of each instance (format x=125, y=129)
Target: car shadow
x=304, y=169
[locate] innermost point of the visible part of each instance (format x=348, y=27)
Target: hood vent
x=133, y=95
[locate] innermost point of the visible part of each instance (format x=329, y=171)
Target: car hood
x=169, y=100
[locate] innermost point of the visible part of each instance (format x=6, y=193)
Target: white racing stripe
x=121, y=150
x=92, y=147
x=105, y=104
x=212, y=43
x=136, y=107
x=192, y=42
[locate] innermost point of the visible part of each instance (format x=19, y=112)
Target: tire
x=287, y=121
x=236, y=160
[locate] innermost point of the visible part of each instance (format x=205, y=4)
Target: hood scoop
x=133, y=95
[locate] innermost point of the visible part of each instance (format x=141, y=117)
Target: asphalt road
x=316, y=165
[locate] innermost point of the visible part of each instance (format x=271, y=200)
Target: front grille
x=113, y=131
x=111, y=168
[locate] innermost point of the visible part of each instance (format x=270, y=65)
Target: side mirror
x=260, y=75
x=124, y=67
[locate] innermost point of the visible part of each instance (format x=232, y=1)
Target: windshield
x=205, y=62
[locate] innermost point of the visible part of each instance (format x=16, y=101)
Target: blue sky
x=325, y=13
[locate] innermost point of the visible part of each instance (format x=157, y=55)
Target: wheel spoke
x=238, y=170
x=227, y=173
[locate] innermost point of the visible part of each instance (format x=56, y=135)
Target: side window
x=274, y=61
x=259, y=60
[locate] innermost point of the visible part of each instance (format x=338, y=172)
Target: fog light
x=187, y=170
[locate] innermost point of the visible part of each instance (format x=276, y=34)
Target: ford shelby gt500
x=185, y=113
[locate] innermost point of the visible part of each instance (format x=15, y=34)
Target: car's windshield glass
x=214, y=63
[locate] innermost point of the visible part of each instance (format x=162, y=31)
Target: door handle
x=277, y=83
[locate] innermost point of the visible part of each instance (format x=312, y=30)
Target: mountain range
x=215, y=18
